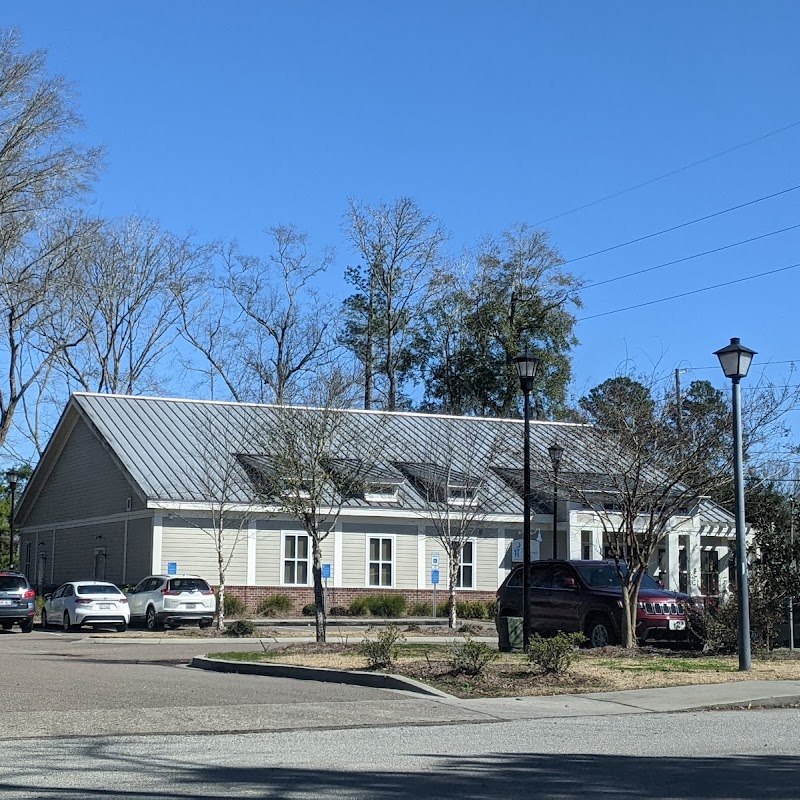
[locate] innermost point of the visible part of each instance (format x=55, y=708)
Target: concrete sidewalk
x=735, y=694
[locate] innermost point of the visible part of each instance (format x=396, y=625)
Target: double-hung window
x=295, y=559
x=381, y=561
x=466, y=569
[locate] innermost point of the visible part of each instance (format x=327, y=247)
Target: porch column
x=338, y=583
x=673, y=567
x=155, y=553
x=251, y=552
x=723, y=554
x=693, y=563
x=574, y=541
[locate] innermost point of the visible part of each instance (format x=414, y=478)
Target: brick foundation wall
x=303, y=595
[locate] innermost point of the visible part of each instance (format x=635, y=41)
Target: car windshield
x=9, y=583
x=605, y=575
x=188, y=585
x=98, y=588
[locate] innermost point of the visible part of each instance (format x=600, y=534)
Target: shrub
x=240, y=628
x=381, y=652
x=470, y=657
x=274, y=605
x=386, y=605
x=234, y=606
x=556, y=655
x=468, y=609
x=339, y=611
x=420, y=610
x=358, y=607
x=310, y=610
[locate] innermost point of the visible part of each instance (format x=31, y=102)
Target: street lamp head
x=556, y=451
x=735, y=359
x=13, y=476
x=527, y=364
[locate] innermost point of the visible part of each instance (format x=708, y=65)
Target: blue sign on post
x=172, y=567
x=434, y=576
x=326, y=570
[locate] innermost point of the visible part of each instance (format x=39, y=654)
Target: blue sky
x=226, y=118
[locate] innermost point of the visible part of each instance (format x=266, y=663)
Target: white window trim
x=372, y=496
x=393, y=537
x=284, y=535
x=474, y=565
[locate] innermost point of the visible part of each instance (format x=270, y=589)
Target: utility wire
x=693, y=291
x=669, y=174
x=687, y=258
x=682, y=225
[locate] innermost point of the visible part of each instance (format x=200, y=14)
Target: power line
x=668, y=174
x=693, y=291
x=688, y=258
x=760, y=366
x=682, y=225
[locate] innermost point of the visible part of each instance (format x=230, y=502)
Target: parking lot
x=77, y=684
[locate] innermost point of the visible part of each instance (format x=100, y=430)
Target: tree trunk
x=451, y=585
x=319, y=597
x=221, y=599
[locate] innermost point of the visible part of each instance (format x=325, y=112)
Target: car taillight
x=169, y=591
x=28, y=594
x=83, y=601
x=121, y=600
x=207, y=591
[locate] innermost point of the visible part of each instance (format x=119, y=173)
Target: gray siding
x=140, y=549
x=85, y=482
x=269, y=552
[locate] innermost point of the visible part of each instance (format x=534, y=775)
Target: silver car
x=160, y=600
x=17, y=601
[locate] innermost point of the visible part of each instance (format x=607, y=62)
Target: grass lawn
x=607, y=669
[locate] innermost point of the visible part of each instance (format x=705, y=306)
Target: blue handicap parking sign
x=326, y=570
x=434, y=576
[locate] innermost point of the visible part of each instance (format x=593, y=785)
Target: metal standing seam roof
x=174, y=448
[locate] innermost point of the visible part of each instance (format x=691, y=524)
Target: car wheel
x=44, y=619
x=599, y=632
x=151, y=620
x=122, y=627
x=66, y=625
x=7, y=626
x=26, y=627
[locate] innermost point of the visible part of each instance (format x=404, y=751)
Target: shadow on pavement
x=492, y=776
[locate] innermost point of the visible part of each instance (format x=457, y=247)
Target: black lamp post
x=556, y=451
x=526, y=369
x=735, y=360
x=13, y=477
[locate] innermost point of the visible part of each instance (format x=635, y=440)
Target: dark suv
x=586, y=597
x=17, y=601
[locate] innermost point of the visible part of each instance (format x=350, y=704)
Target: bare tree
x=224, y=434
x=314, y=459
x=42, y=172
x=263, y=327
x=649, y=474
x=129, y=276
x=456, y=480
x=399, y=247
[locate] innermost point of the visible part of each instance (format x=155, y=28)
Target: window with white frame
x=295, y=559
x=466, y=569
x=381, y=561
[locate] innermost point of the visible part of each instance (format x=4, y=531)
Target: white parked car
x=79, y=603
x=160, y=600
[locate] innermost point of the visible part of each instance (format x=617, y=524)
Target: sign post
x=326, y=573
x=434, y=577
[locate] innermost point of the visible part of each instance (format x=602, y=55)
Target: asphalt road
x=124, y=719
x=676, y=756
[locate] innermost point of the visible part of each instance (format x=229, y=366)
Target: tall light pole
x=527, y=365
x=735, y=360
x=555, y=451
x=13, y=477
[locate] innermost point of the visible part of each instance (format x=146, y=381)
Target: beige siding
x=486, y=561
x=85, y=481
x=269, y=554
x=194, y=551
x=354, y=553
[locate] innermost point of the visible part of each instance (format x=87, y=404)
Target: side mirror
x=48, y=597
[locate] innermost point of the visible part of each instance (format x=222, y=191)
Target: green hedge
x=275, y=605
x=379, y=605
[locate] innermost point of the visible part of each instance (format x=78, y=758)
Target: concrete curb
x=374, y=680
